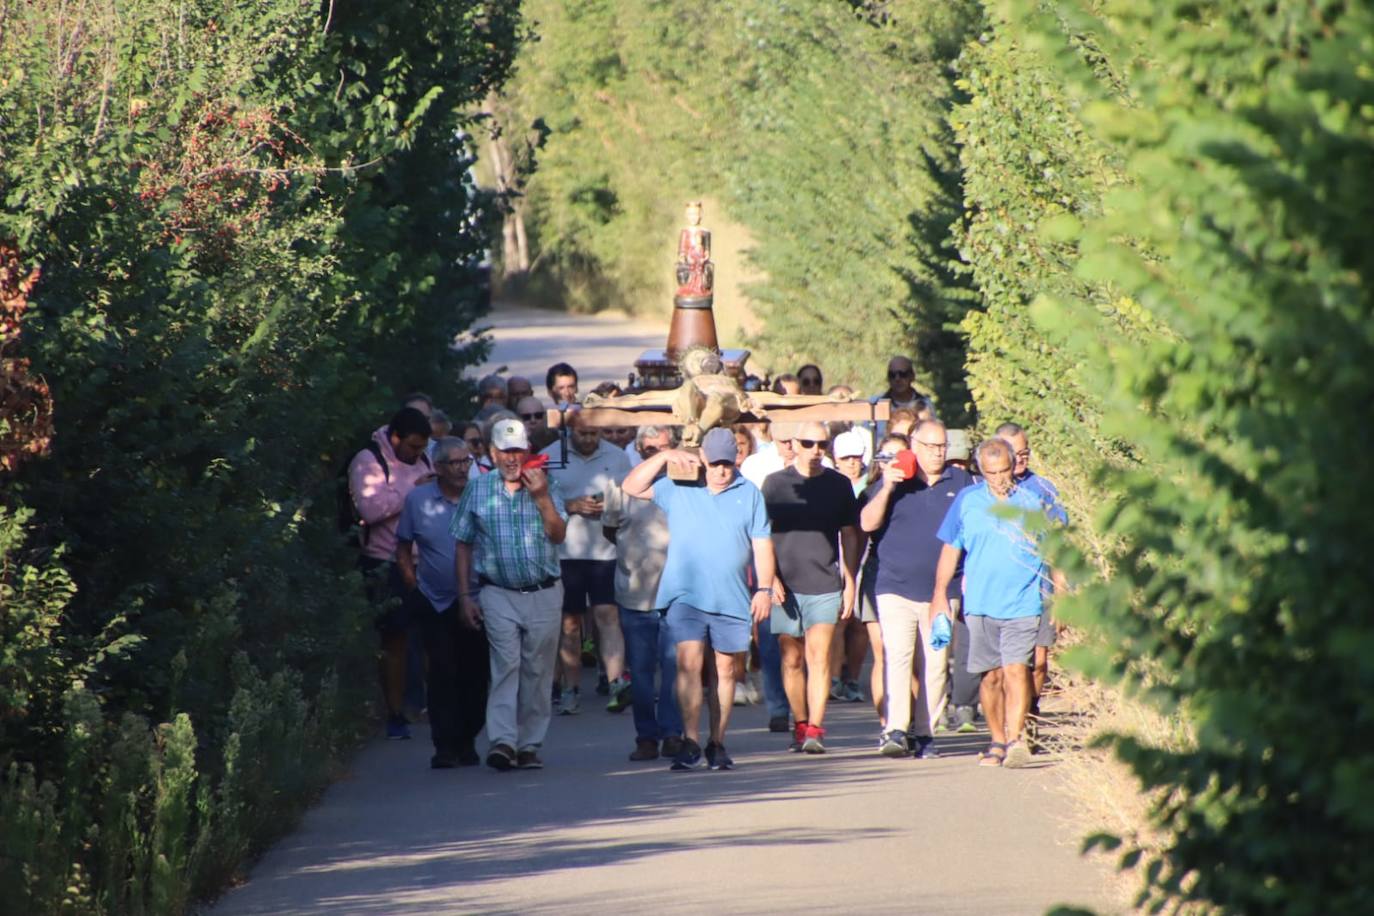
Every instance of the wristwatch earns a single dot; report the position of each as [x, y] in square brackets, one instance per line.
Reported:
[763, 588]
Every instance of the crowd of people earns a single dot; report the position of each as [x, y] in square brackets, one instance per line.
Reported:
[766, 566]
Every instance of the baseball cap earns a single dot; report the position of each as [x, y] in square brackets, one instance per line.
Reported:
[849, 444]
[719, 445]
[960, 446]
[508, 434]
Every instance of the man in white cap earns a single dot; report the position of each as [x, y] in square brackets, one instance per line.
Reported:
[716, 529]
[508, 530]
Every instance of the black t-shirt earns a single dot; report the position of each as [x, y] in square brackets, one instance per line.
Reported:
[807, 514]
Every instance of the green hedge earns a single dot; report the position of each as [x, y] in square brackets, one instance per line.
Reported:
[256, 228]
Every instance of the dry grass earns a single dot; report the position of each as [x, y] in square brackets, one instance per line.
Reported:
[1104, 795]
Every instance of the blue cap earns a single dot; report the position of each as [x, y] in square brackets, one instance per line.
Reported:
[719, 445]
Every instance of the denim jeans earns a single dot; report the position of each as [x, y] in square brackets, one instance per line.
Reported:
[648, 649]
[770, 657]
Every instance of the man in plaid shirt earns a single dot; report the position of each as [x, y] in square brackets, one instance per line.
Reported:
[508, 529]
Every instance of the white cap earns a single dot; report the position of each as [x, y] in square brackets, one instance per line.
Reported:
[849, 444]
[507, 434]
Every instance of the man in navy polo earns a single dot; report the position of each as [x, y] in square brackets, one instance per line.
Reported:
[717, 526]
[989, 528]
[903, 515]
[1016, 437]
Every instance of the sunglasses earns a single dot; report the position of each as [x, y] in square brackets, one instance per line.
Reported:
[811, 443]
[809, 380]
[902, 373]
[533, 416]
[722, 464]
[475, 442]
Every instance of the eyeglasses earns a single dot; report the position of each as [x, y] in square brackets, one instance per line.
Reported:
[533, 416]
[1024, 453]
[901, 373]
[461, 462]
[934, 446]
[810, 443]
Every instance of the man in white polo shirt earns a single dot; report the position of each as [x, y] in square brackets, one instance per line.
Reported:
[587, 560]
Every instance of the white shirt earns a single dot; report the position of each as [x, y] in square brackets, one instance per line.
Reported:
[587, 475]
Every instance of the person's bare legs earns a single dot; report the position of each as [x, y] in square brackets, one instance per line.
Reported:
[794, 675]
[855, 637]
[610, 640]
[1016, 689]
[990, 694]
[1041, 670]
[723, 673]
[570, 651]
[689, 663]
[875, 679]
[817, 643]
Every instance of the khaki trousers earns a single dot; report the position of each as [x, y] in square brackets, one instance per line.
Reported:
[906, 647]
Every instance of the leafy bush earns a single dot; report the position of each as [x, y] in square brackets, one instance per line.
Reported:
[1177, 280]
[256, 228]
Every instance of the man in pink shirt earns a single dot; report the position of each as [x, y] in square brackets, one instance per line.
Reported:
[379, 478]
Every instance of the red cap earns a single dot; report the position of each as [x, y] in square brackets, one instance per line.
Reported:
[906, 460]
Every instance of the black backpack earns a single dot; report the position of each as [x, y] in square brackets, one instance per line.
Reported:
[350, 522]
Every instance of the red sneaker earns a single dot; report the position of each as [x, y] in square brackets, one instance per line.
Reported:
[812, 743]
[798, 736]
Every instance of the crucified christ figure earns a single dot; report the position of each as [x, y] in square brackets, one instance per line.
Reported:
[709, 398]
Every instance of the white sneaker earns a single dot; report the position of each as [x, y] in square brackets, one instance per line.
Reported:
[567, 702]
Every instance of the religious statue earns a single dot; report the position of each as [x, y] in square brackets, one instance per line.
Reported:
[695, 272]
[709, 398]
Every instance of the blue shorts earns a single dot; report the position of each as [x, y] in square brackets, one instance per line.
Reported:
[799, 613]
[691, 624]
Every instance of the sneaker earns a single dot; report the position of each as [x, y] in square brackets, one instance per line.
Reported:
[778, 724]
[588, 653]
[836, 689]
[716, 758]
[753, 693]
[924, 748]
[672, 746]
[397, 728]
[501, 757]
[620, 695]
[528, 759]
[689, 758]
[645, 749]
[467, 757]
[798, 737]
[852, 693]
[894, 744]
[813, 741]
[962, 721]
[443, 762]
[567, 702]
[603, 686]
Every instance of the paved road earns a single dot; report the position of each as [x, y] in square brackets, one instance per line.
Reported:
[593, 833]
[850, 832]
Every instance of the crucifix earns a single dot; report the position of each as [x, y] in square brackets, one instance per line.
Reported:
[692, 383]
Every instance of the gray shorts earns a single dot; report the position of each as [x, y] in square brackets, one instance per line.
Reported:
[1047, 634]
[800, 613]
[867, 611]
[994, 643]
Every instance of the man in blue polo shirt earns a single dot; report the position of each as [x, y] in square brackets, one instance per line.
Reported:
[1016, 437]
[458, 655]
[1004, 592]
[903, 514]
[715, 528]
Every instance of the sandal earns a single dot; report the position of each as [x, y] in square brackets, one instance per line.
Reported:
[1018, 755]
[991, 757]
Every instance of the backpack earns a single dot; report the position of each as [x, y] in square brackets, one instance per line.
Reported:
[349, 521]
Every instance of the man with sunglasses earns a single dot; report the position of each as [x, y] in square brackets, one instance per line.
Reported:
[816, 538]
[535, 416]
[717, 527]
[457, 654]
[904, 514]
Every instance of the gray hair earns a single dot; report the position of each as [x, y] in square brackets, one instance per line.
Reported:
[438, 416]
[1010, 429]
[992, 445]
[448, 444]
[646, 432]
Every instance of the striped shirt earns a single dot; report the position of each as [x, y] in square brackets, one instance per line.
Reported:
[510, 546]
